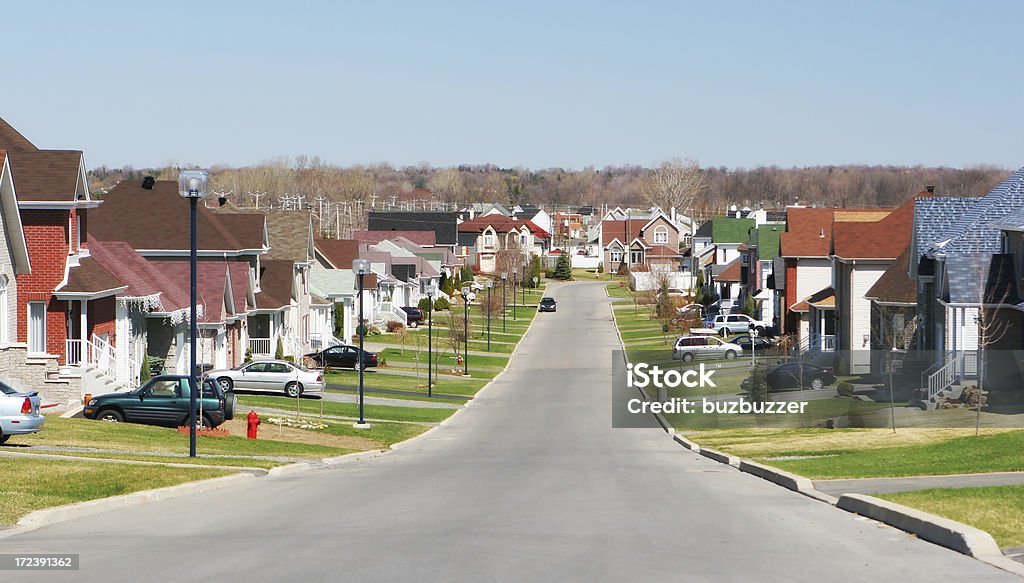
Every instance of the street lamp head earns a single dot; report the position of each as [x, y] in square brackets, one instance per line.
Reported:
[431, 289]
[490, 283]
[361, 266]
[504, 276]
[193, 183]
[514, 272]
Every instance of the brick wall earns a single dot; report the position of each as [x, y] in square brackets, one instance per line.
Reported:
[39, 375]
[46, 233]
[790, 319]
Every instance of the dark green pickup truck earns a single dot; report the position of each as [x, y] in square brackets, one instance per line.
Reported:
[163, 400]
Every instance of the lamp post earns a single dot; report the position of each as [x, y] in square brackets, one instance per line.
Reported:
[504, 276]
[523, 284]
[467, 296]
[192, 185]
[361, 267]
[753, 345]
[514, 272]
[431, 290]
[490, 284]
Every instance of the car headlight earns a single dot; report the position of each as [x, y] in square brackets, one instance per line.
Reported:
[92, 402]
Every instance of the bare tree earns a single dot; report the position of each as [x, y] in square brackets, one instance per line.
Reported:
[448, 185]
[675, 184]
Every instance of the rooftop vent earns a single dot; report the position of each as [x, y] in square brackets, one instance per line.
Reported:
[821, 234]
[930, 188]
[148, 182]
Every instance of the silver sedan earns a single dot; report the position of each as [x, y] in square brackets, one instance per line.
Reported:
[19, 412]
[270, 375]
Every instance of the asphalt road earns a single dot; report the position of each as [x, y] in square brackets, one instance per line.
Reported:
[530, 484]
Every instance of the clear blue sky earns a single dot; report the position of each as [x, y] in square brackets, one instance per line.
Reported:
[535, 84]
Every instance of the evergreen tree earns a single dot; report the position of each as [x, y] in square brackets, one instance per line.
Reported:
[563, 269]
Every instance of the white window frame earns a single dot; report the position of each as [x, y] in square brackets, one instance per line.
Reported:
[33, 342]
[5, 320]
[616, 255]
[489, 239]
[661, 235]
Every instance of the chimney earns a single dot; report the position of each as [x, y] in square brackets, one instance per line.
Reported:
[148, 182]
[930, 189]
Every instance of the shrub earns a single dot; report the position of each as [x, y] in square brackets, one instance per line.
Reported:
[757, 384]
[600, 267]
[373, 330]
[394, 326]
[441, 304]
[424, 305]
[563, 269]
[844, 388]
[466, 274]
[145, 374]
[361, 330]
[248, 355]
[339, 318]
[279, 351]
[843, 368]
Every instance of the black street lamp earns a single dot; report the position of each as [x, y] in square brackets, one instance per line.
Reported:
[431, 290]
[361, 267]
[467, 296]
[490, 284]
[192, 185]
[524, 284]
[504, 276]
[514, 273]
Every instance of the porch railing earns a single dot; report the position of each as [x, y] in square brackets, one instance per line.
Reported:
[261, 346]
[958, 368]
[101, 356]
[828, 343]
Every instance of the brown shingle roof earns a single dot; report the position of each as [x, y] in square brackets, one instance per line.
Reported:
[339, 252]
[158, 219]
[809, 230]
[276, 277]
[45, 175]
[91, 277]
[11, 139]
[287, 230]
[625, 231]
[731, 272]
[883, 239]
[895, 285]
[662, 251]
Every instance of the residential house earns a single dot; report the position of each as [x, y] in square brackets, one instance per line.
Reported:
[494, 243]
[444, 225]
[757, 262]
[966, 261]
[644, 244]
[332, 278]
[230, 248]
[535, 215]
[49, 191]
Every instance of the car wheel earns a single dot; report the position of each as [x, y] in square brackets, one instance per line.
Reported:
[817, 383]
[730, 354]
[293, 389]
[4, 438]
[722, 332]
[230, 401]
[206, 421]
[110, 416]
[225, 384]
[356, 366]
[687, 357]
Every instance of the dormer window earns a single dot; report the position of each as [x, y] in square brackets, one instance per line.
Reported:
[661, 235]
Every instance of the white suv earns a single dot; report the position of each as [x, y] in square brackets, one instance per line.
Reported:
[688, 348]
[737, 323]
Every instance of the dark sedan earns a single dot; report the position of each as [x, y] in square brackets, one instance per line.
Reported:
[744, 340]
[797, 375]
[343, 356]
[547, 305]
[413, 316]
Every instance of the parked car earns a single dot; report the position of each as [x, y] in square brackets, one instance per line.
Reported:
[413, 316]
[343, 356]
[799, 375]
[547, 305]
[688, 348]
[747, 343]
[19, 412]
[736, 324]
[270, 375]
[163, 400]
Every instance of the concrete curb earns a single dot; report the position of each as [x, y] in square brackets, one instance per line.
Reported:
[944, 532]
[785, 479]
[289, 469]
[686, 443]
[72, 411]
[40, 518]
[352, 457]
[720, 457]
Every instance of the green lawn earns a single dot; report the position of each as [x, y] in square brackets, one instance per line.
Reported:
[998, 510]
[312, 407]
[30, 484]
[140, 439]
[386, 381]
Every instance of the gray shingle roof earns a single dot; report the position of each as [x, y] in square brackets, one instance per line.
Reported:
[973, 232]
[967, 273]
[933, 217]
[1011, 222]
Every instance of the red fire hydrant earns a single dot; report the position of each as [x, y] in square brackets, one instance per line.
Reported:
[254, 424]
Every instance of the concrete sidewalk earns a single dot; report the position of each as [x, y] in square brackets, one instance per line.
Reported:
[907, 484]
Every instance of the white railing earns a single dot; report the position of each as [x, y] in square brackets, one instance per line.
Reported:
[945, 377]
[101, 357]
[318, 341]
[388, 310]
[73, 351]
[261, 346]
[828, 343]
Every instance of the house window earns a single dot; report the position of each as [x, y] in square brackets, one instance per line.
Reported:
[37, 327]
[522, 240]
[616, 255]
[661, 235]
[488, 240]
[636, 256]
[4, 320]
